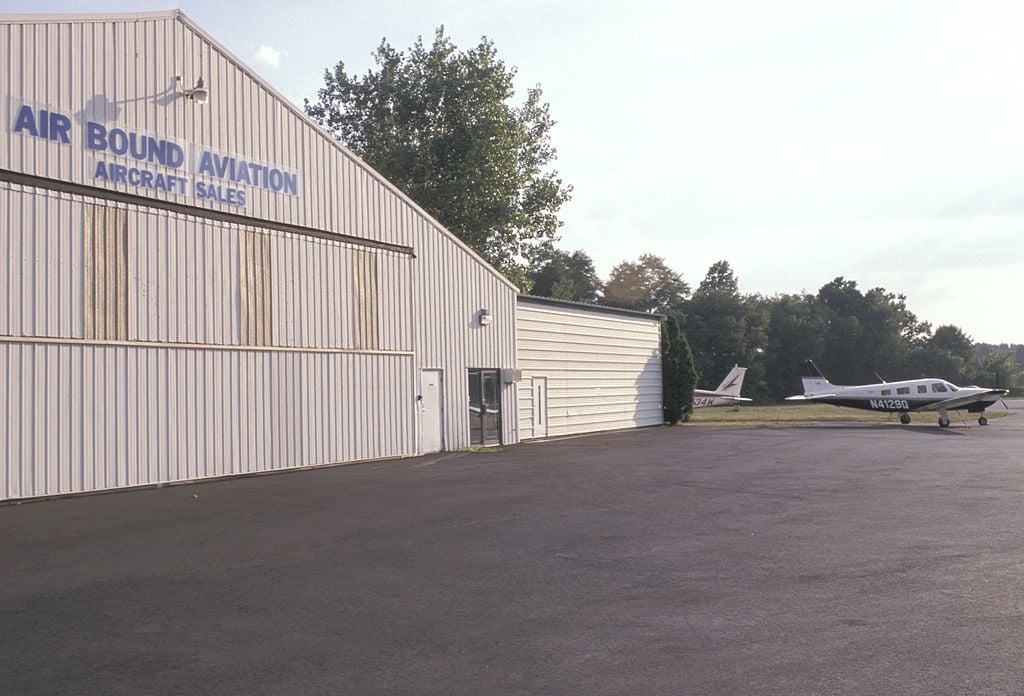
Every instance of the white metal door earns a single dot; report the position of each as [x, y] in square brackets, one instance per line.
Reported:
[540, 406]
[430, 402]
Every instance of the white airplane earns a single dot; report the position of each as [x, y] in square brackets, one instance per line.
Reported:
[727, 394]
[899, 397]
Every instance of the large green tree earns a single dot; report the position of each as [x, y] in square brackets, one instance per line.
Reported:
[866, 334]
[440, 124]
[566, 276]
[716, 324]
[647, 285]
[796, 332]
[949, 354]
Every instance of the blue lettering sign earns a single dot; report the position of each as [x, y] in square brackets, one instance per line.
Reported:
[49, 125]
[238, 171]
[143, 148]
[220, 194]
[232, 174]
[133, 176]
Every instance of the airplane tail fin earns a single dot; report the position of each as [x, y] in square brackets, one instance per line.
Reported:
[812, 378]
[733, 382]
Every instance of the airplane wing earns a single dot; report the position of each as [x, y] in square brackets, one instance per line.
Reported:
[811, 397]
[733, 398]
[958, 401]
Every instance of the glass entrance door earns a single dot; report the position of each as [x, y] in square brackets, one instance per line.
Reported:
[484, 407]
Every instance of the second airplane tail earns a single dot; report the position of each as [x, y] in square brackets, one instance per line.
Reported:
[733, 382]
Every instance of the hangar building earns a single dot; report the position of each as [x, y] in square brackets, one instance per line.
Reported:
[198, 281]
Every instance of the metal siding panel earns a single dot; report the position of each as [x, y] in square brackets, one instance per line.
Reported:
[332, 300]
[191, 279]
[266, 246]
[14, 421]
[12, 266]
[246, 291]
[35, 285]
[119, 248]
[291, 277]
[9, 420]
[61, 272]
[167, 284]
[35, 434]
[8, 264]
[97, 259]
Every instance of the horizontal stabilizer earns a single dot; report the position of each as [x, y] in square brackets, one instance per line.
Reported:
[810, 397]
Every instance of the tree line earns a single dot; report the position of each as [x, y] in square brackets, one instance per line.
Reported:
[855, 336]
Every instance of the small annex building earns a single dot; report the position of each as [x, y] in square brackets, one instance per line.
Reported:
[198, 281]
[586, 368]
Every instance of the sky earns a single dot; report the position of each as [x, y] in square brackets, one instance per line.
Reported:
[799, 140]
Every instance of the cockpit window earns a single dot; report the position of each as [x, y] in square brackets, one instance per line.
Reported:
[938, 387]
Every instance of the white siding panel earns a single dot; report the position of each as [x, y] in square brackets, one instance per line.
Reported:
[603, 368]
[80, 417]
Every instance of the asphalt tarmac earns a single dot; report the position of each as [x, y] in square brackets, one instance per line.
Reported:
[833, 559]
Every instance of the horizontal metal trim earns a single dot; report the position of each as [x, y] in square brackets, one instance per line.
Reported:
[144, 201]
[526, 300]
[196, 346]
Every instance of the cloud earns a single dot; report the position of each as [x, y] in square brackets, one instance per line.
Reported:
[268, 55]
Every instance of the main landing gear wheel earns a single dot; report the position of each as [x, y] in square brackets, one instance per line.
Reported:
[943, 422]
[905, 418]
[982, 420]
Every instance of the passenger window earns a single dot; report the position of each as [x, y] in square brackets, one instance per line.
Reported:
[887, 392]
[938, 387]
[922, 389]
[903, 390]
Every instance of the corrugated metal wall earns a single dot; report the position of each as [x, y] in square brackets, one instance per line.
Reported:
[603, 368]
[263, 305]
[86, 417]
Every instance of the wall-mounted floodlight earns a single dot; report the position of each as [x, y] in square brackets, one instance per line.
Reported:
[199, 94]
[485, 317]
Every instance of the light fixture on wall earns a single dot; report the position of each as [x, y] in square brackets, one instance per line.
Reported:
[485, 317]
[199, 94]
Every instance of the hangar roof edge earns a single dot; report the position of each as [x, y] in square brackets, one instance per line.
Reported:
[47, 17]
[585, 306]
